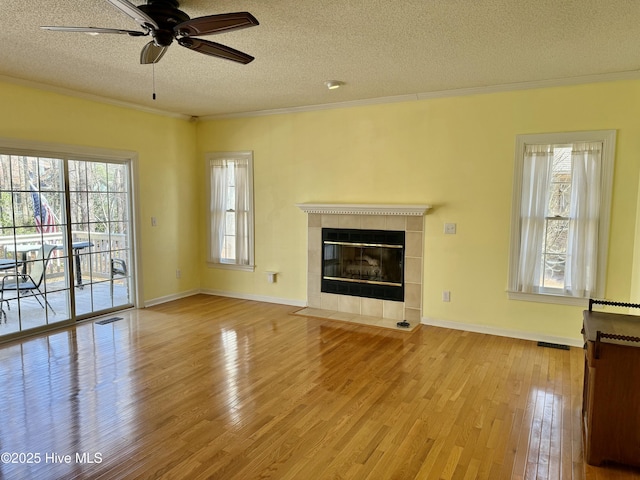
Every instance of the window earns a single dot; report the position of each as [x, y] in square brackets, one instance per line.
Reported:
[231, 209]
[560, 216]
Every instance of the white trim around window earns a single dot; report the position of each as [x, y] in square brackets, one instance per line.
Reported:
[230, 207]
[607, 138]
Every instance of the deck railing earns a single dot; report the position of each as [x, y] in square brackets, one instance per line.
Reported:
[95, 261]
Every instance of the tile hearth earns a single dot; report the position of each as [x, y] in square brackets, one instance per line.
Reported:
[368, 311]
[355, 318]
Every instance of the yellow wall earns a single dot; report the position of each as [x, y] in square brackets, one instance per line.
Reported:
[454, 153]
[166, 167]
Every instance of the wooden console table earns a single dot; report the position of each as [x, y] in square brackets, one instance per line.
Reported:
[611, 397]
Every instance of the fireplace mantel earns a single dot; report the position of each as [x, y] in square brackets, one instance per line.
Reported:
[409, 219]
[363, 209]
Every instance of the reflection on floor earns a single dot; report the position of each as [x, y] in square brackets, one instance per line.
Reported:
[218, 388]
[92, 297]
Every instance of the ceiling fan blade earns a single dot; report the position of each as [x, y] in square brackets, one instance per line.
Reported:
[95, 30]
[215, 50]
[216, 24]
[151, 53]
[134, 12]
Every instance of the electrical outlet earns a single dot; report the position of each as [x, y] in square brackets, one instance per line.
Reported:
[178, 273]
[446, 296]
[450, 228]
[154, 222]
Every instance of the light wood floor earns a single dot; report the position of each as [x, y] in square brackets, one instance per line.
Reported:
[210, 387]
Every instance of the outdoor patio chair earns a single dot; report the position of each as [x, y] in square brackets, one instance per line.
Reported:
[118, 267]
[27, 284]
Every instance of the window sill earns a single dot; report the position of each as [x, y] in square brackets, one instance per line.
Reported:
[232, 266]
[546, 298]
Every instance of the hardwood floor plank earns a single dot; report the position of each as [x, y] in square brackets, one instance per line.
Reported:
[217, 388]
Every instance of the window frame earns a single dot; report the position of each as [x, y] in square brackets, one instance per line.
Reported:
[608, 139]
[239, 155]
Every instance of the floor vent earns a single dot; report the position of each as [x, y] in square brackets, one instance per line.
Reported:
[553, 345]
[108, 320]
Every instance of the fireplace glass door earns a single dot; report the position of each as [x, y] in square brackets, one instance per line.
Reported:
[366, 263]
[363, 262]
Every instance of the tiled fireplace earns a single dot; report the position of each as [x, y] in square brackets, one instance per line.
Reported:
[406, 221]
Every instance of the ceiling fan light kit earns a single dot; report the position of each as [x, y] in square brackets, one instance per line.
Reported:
[165, 23]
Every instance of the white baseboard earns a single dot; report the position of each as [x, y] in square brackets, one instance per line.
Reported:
[502, 332]
[256, 298]
[221, 293]
[170, 298]
[468, 327]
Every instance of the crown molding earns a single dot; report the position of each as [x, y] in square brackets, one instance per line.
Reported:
[459, 92]
[91, 97]
[363, 209]
[313, 108]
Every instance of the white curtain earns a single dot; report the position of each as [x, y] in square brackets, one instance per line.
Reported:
[219, 179]
[580, 274]
[536, 176]
[242, 211]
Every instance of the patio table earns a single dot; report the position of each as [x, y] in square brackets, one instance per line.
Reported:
[77, 246]
[26, 248]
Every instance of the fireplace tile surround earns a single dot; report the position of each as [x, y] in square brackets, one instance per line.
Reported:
[407, 218]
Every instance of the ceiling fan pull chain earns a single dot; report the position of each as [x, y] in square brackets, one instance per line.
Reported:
[154, 80]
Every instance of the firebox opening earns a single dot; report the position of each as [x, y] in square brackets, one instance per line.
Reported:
[363, 263]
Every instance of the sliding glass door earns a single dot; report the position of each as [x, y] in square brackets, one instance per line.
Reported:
[65, 248]
[34, 286]
[100, 231]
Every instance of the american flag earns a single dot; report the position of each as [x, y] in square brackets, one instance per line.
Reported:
[45, 219]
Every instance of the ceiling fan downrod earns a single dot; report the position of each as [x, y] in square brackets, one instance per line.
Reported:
[166, 15]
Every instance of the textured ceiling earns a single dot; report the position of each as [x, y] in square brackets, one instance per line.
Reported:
[378, 48]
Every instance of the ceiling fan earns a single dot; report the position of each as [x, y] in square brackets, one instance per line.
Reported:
[165, 22]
